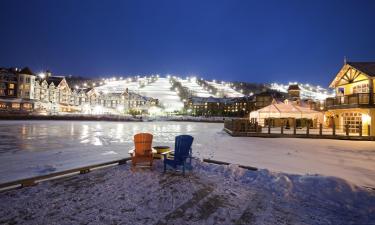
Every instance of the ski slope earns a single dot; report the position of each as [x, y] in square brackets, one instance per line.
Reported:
[161, 90]
[195, 88]
[226, 90]
[120, 86]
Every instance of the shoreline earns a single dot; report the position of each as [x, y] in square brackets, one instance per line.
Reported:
[104, 118]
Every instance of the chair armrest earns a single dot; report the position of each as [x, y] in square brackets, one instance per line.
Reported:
[165, 154]
[131, 152]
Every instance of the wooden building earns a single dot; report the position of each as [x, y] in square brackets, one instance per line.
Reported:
[354, 105]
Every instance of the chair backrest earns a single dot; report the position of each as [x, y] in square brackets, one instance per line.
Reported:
[182, 147]
[143, 143]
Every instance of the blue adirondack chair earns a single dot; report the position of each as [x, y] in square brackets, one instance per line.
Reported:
[181, 157]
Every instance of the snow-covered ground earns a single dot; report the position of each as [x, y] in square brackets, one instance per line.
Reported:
[195, 88]
[226, 90]
[161, 89]
[30, 148]
[210, 194]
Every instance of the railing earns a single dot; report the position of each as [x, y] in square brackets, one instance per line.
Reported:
[348, 100]
[241, 125]
[82, 170]
[345, 132]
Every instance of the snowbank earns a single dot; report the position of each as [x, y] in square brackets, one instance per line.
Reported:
[211, 194]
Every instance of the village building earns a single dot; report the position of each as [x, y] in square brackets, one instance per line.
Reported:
[16, 90]
[353, 107]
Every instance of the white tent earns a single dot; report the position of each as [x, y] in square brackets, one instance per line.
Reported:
[285, 110]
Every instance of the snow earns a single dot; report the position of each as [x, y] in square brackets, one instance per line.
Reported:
[31, 148]
[195, 88]
[210, 194]
[161, 89]
[226, 90]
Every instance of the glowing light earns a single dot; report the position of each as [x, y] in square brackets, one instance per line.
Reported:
[98, 109]
[366, 119]
[42, 75]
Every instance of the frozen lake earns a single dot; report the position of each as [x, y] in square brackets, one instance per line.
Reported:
[30, 148]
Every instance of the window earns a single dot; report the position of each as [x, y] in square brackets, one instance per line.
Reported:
[11, 86]
[28, 80]
[353, 120]
[3, 106]
[15, 105]
[11, 92]
[27, 106]
[361, 88]
[2, 92]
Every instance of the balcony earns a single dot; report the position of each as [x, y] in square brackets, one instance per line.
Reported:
[359, 100]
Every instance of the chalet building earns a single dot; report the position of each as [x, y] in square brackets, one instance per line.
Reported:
[294, 92]
[16, 90]
[266, 98]
[353, 106]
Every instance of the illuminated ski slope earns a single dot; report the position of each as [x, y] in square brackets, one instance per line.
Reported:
[161, 89]
[195, 88]
[120, 86]
[226, 90]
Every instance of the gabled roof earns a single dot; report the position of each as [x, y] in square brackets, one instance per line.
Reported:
[365, 67]
[27, 71]
[56, 80]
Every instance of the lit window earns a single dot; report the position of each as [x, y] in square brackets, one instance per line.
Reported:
[15, 105]
[11, 86]
[11, 92]
[27, 106]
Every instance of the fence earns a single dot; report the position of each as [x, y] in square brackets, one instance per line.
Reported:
[244, 127]
[82, 170]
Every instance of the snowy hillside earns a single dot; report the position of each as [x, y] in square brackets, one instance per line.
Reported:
[226, 90]
[194, 88]
[160, 89]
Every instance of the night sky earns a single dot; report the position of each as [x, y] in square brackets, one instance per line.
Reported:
[255, 41]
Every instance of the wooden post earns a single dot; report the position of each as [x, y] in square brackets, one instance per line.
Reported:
[320, 129]
[282, 127]
[333, 128]
[368, 130]
[295, 126]
[308, 128]
[269, 126]
[347, 129]
[360, 129]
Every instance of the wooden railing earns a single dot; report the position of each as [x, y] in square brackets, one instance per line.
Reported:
[82, 170]
[241, 125]
[348, 100]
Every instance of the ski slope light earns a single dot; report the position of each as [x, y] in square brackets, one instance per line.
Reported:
[42, 75]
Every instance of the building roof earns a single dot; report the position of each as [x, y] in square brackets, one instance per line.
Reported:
[365, 67]
[27, 71]
[56, 80]
[293, 87]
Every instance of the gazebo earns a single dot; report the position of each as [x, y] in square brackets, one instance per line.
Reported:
[283, 113]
